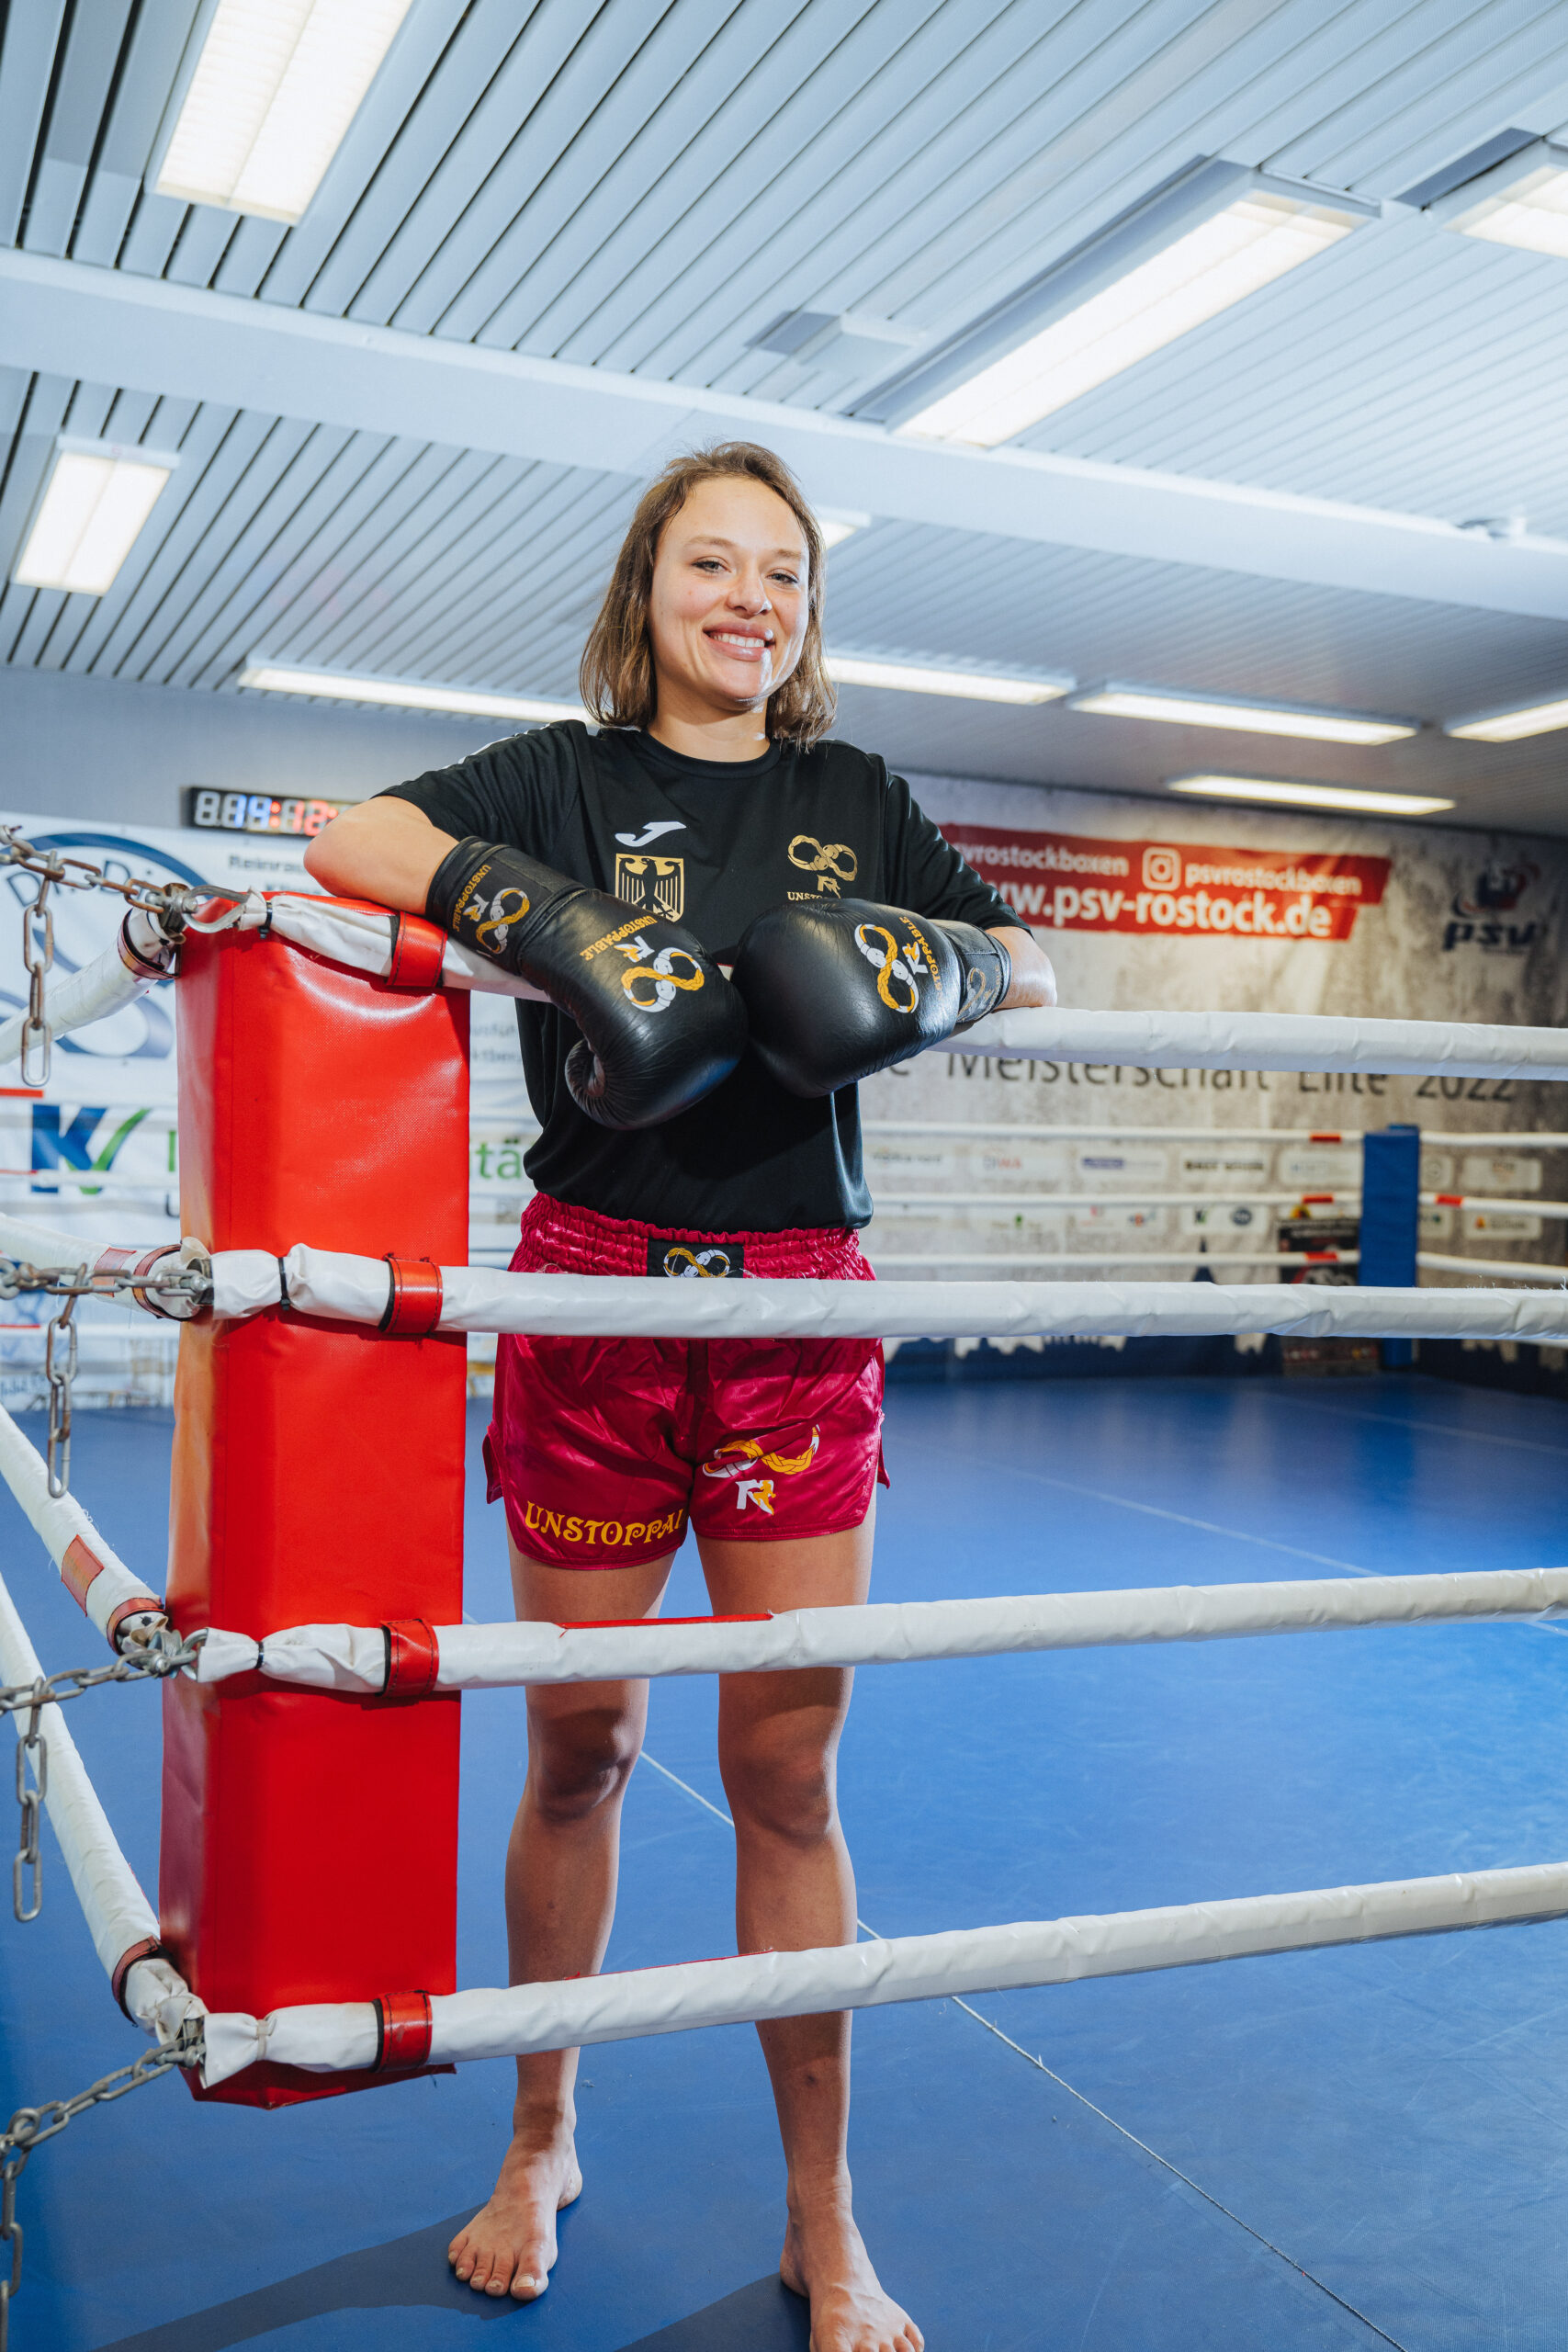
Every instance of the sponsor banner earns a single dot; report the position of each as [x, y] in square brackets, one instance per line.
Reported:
[1317, 914]
[1072, 882]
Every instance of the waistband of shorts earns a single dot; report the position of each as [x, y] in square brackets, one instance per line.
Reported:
[565, 1239]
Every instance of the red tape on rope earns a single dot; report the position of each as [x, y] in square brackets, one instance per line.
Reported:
[413, 1659]
[417, 950]
[140, 1604]
[414, 1298]
[148, 1949]
[403, 2029]
[77, 1570]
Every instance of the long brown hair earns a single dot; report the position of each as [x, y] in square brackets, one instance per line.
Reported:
[618, 678]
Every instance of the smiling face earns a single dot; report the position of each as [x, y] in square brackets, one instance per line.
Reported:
[730, 603]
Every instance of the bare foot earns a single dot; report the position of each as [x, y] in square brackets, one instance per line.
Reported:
[509, 2248]
[825, 2260]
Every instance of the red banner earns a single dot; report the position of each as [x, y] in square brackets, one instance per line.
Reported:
[1069, 882]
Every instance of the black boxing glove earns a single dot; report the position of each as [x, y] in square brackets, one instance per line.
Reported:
[661, 1026]
[835, 987]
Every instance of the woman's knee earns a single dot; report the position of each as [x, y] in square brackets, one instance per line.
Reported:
[779, 1778]
[580, 1761]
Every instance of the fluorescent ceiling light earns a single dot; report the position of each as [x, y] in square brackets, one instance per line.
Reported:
[1508, 726]
[1307, 796]
[401, 693]
[974, 685]
[274, 88]
[1116, 701]
[1216, 236]
[838, 524]
[1522, 201]
[95, 502]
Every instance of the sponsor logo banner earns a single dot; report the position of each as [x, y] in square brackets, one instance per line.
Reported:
[1072, 882]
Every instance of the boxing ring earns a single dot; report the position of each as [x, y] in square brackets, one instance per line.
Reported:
[410, 1665]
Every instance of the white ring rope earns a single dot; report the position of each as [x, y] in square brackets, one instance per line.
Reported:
[117, 1913]
[485, 1298]
[495, 1657]
[584, 2009]
[1502, 1270]
[1309, 1041]
[101, 987]
[361, 938]
[90, 1570]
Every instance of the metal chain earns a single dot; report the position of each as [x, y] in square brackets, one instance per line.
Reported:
[172, 900]
[167, 1652]
[26, 1901]
[60, 1377]
[56, 1282]
[30, 2126]
[36, 1035]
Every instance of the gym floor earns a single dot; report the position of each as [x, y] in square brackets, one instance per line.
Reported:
[1334, 2148]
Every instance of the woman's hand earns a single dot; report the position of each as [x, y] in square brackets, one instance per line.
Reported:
[1033, 980]
[386, 849]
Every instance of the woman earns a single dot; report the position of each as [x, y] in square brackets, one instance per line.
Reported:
[707, 799]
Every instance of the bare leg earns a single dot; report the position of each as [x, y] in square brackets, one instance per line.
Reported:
[583, 1739]
[795, 1888]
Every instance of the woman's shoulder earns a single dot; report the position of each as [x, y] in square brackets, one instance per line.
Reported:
[845, 766]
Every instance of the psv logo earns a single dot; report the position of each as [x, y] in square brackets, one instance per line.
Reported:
[654, 885]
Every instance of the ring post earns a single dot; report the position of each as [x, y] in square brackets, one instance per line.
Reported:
[310, 1838]
[1391, 1219]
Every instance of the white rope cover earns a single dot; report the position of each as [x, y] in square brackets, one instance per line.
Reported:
[104, 986]
[1269, 1041]
[526, 2017]
[1502, 1270]
[360, 938]
[47, 1248]
[483, 1299]
[494, 1657]
[117, 1913]
[89, 1567]
[43, 1246]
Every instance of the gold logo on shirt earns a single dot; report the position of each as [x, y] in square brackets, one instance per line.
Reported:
[832, 863]
[654, 885]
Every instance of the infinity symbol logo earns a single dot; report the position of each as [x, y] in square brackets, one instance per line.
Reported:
[683, 1263]
[652, 980]
[892, 965]
[837, 859]
[506, 908]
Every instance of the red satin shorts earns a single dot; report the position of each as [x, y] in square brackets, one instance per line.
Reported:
[603, 1450]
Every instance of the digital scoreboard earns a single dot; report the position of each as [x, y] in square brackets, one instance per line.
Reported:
[211, 810]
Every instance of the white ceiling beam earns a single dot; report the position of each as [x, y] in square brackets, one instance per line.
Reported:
[67, 319]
